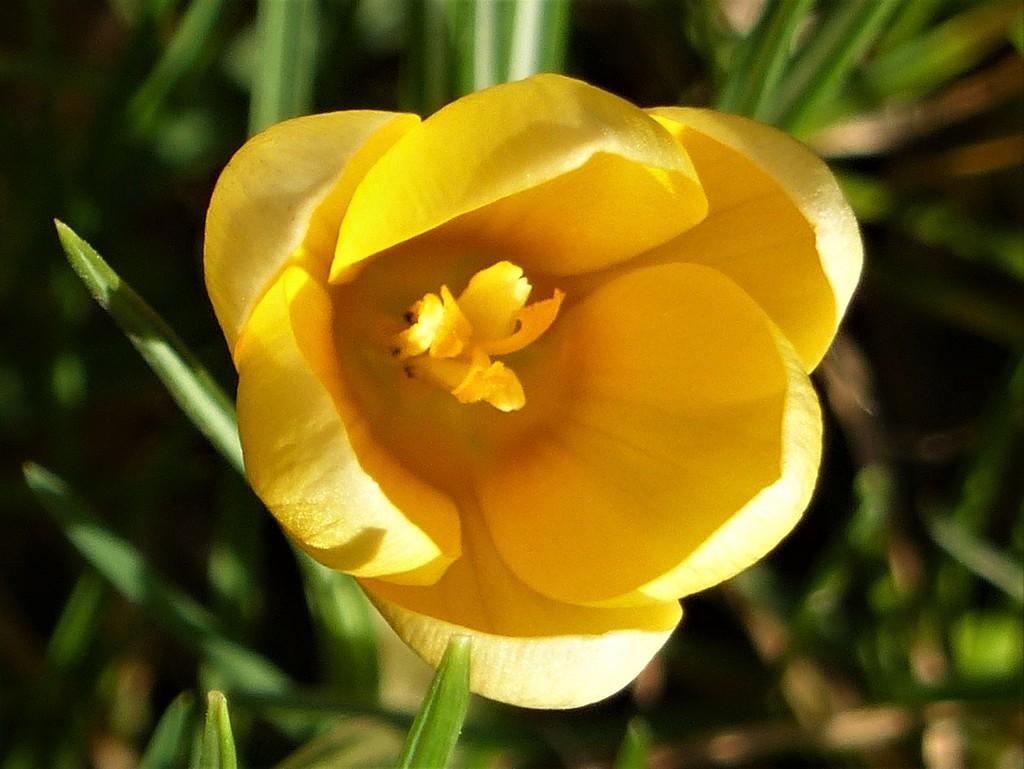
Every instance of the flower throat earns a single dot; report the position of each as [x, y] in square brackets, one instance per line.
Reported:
[450, 341]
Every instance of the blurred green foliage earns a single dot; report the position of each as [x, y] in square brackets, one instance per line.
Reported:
[137, 572]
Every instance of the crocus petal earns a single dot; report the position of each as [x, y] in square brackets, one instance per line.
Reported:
[768, 517]
[547, 166]
[527, 650]
[778, 223]
[337, 494]
[264, 202]
[674, 419]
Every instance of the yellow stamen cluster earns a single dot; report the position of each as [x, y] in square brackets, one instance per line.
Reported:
[449, 341]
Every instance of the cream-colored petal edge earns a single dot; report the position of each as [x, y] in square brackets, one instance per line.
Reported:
[550, 672]
[764, 521]
[807, 180]
[261, 206]
[300, 459]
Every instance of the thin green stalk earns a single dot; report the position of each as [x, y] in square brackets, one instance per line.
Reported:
[538, 37]
[168, 745]
[842, 36]
[435, 66]
[283, 83]
[191, 386]
[485, 39]
[181, 55]
[635, 750]
[120, 563]
[435, 730]
[979, 557]
[752, 81]
[217, 748]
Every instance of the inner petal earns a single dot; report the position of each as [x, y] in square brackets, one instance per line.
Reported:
[671, 424]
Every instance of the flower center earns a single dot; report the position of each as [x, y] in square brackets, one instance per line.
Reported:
[449, 342]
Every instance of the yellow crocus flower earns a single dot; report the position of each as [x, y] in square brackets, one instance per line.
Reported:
[533, 368]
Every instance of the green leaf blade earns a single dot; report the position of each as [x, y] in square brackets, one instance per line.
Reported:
[217, 749]
[635, 751]
[435, 731]
[191, 386]
[751, 83]
[344, 630]
[288, 32]
[816, 74]
[126, 569]
[169, 743]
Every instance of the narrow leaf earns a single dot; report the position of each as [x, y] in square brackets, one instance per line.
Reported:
[948, 50]
[217, 750]
[168, 746]
[842, 36]
[636, 746]
[186, 379]
[336, 604]
[181, 55]
[127, 570]
[752, 81]
[344, 628]
[537, 36]
[979, 557]
[435, 730]
[288, 33]
[79, 623]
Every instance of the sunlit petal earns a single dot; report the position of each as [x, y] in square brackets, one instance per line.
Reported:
[778, 223]
[332, 489]
[527, 650]
[263, 206]
[673, 421]
[768, 517]
[564, 170]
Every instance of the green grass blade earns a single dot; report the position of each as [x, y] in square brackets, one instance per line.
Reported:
[467, 45]
[345, 633]
[435, 730]
[217, 749]
[171, 738]
[189, 383]
[127, 570]
[635, 751]
[946, 51]
[537, 35]
[751, 83]
[288, 33]
[979, 557]
[344, 628]
[430, 69]
[181, 55]
[482, 67]
[79, 623]
[908, 22]
[843, 34]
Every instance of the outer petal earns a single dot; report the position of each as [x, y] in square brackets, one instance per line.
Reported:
[778, 223]
[527, 650]
[338, 495]
[674, 420]
[564, 169]
[262, 205]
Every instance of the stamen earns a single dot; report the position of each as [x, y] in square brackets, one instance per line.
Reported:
[449, 342]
